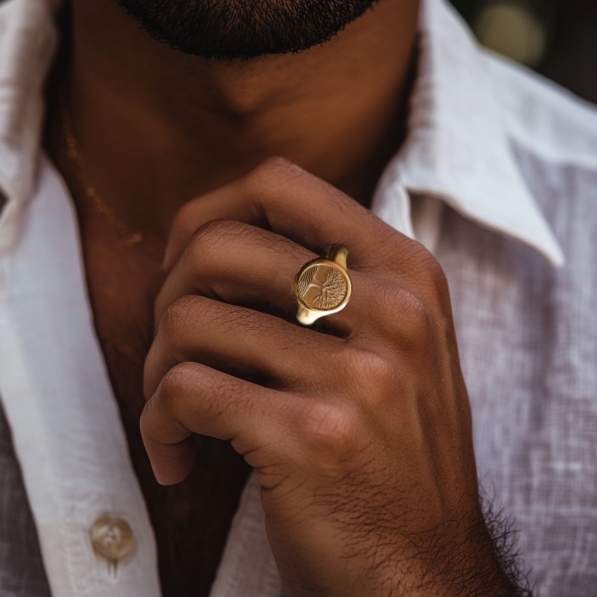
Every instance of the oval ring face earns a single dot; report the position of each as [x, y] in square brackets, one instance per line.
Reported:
[322, 286]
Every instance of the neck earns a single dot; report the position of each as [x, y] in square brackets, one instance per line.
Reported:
[157, 127]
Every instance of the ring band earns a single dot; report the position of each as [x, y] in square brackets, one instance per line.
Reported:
[323, 286]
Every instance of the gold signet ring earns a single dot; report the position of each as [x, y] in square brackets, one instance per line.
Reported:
[323, 286]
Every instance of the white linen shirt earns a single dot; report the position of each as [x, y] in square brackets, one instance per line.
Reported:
[474, 121]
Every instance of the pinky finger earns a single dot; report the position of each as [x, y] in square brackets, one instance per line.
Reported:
[193, 398]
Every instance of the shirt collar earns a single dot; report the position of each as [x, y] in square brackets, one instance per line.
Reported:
[27, 45]
[457, 147]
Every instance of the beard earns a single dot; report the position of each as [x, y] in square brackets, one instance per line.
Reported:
[243, 29]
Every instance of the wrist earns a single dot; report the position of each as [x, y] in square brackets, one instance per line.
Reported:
[479, 563]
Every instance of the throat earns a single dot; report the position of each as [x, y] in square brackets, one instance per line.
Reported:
[157, 127]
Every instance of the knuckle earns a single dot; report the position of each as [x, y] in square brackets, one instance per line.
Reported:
[429, 269]
[275, 165]
[419, 255]
[178, 314]
[390, 299]
[435, 274]
[176, 384]
[375, 370]
[416, 318]
[406, 315]
[371, 374]
[329, 428]
[417, 330]
[434, 269]
[208, 239]
[271, 170]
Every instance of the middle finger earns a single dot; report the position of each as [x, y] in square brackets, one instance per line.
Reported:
[241, 264]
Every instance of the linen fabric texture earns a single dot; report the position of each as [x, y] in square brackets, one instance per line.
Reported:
[497, 177]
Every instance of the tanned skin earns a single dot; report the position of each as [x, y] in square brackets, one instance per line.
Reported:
[359, 429]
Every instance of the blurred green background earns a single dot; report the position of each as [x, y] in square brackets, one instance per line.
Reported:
[557, 38]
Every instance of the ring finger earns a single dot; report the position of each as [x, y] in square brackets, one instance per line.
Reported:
[241, 264]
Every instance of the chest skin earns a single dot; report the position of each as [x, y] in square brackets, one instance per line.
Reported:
[190, 520]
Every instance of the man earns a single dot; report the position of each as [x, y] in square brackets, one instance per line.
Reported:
[150, 332]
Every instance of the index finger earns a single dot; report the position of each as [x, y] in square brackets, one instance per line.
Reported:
[284, 198]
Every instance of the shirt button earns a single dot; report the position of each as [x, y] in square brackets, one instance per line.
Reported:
[112, 538]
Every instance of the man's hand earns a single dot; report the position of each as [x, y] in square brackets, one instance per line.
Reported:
[359, 429]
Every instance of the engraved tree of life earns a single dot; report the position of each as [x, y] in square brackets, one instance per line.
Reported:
[332, 286]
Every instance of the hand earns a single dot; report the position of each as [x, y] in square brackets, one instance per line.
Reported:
[359, 429]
